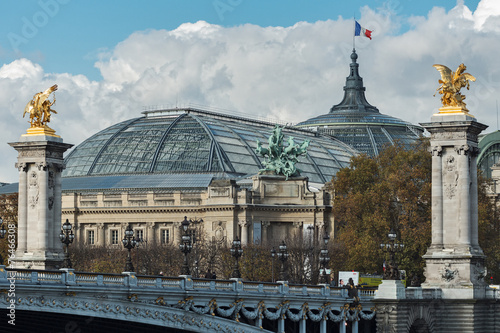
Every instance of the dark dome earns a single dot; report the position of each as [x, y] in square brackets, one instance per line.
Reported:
[196, 141]
[358, 123]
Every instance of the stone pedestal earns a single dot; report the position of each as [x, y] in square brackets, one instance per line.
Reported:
[391, 289]
[454, 261]
[40, 163]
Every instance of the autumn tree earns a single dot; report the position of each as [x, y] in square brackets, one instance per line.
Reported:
[376, 194]
[8, 212]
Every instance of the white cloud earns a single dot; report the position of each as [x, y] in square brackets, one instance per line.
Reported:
[291, 73]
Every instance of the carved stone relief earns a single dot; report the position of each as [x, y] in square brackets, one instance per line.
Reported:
[450, 177]
[33, 189]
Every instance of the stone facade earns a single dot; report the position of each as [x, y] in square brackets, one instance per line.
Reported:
[269, 210]
[40, 162]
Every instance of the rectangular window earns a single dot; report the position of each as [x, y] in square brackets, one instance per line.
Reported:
[90, 237]
[114, 237]
[139, 233]
[165, 236]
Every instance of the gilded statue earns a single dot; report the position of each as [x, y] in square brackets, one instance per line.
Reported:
[40, 109]
[451, 84]
[281, 159]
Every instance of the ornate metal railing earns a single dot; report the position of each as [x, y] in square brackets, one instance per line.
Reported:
[70, 277]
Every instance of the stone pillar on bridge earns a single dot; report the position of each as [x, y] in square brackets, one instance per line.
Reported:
[40, 163]
[454, 260]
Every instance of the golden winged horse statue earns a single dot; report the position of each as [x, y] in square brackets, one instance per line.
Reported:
[39, 107]
[451, 84]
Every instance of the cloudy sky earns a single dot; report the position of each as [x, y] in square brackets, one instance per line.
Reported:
[277, 59]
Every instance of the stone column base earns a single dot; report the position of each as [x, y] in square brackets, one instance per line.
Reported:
[391, 289]
[42, 260]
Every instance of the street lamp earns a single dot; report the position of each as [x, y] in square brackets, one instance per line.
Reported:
[3, 231]
[283, 257]
[185, 246]
[236, 252]
[66, 236]
[392, 247]
[273, 255]
[324, 259]
[129, 243]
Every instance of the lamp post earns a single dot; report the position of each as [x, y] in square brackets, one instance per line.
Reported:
[185, 246]
[324, 259]
[129, 242]
[392, 247]
[283, 257]
[66, 236]
[273, 255]
[236, 252]
[3, 231]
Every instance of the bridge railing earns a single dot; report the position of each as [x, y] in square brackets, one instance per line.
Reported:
[127, 280]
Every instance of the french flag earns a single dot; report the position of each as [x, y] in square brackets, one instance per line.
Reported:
[360, 31]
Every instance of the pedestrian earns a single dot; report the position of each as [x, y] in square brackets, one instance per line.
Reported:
[352, 291]
[208, 275]
[341, 283]
[214, 277]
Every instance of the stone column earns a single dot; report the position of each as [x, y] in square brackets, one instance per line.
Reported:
[244, 232]
[437, 197]
[265, 225]
[474, 201]
[177, 233]
[42, 232]
[56, 211]
[100, 234]
[22, 222]
[297, 229]
[464, 191]
[150, 236]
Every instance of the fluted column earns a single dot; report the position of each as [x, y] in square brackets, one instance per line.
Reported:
[56, 212]
[474, 200]
[265, 225]
[42, 207]
[100, 234]
[437, 197]
[244, 232]
[297, 229]
[464, 193]
[22, 222]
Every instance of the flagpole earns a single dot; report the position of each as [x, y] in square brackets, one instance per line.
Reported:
[354, 33]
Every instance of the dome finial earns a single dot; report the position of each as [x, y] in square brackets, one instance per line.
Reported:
[354, 55]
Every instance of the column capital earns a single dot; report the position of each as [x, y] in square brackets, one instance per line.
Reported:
[42, 166]
[436, 150]
[265, 224]
[22, 166]
[243, 223]
[463, 149]
[298, 224]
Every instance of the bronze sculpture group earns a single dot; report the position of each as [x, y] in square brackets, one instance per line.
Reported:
[39, 108]
[281, 159]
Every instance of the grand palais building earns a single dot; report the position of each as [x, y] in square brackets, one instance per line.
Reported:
[152, 171]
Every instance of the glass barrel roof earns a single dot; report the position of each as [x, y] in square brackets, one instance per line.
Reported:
[196, 141]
